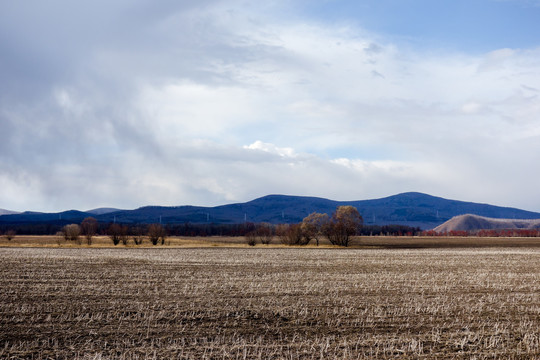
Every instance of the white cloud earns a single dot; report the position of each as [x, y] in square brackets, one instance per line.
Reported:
[159, 111]
[271, 148]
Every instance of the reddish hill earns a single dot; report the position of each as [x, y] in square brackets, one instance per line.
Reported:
[469, 222]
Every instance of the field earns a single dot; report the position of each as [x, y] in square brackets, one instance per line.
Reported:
[269, 303]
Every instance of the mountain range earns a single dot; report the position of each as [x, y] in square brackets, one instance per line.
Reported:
[412, 209]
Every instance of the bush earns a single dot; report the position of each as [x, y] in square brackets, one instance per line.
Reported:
[292, 234]
[156, 232]
[10, 235]
[251, 238]
[118, 233]
[72, 232]
[137, 235]
[264, 233]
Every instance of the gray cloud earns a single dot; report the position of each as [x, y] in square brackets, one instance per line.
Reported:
[137, 103]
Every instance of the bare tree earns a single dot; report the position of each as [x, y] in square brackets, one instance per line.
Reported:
[264, 233]
[137, 235]
[312, 226]
[346, 222]
[116, 232]
[89, 228]
[72, 232]
[156, 232]
[251, 238]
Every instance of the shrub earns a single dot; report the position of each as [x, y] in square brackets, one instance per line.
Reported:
[264, 233]
[137, 235]
[72, 232]
[251, 238]
[10, 235]
[291, 234]
[156, 232]
[117, 232]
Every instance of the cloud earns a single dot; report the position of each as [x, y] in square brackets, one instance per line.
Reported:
[137, 103]
[271, 148]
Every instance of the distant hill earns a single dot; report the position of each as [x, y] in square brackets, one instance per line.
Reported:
[102, 211]
[470, 222]
[39, 217]
[7, 212]
[412, 209]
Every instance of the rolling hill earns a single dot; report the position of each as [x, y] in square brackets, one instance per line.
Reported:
[470, 222]
[412, 209]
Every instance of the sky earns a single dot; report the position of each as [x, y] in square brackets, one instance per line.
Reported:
[138, 102]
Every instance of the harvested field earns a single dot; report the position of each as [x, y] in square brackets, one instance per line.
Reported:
[269, 303]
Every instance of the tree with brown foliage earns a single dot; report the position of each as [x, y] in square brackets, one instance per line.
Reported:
[89, 228]
[72, 232]
[312, 226]
[345, 222]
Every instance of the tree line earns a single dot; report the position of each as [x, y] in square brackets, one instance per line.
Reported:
[344, 223]
[118, 233]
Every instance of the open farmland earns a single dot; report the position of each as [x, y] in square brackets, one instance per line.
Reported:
[269, 303]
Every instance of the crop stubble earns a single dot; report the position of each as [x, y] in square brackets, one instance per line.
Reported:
[269, 303]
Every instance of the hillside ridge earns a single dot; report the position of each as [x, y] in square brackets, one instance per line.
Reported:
[411, 208]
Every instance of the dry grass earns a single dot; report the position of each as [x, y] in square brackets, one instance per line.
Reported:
[417, 242]
[106, 242]
[242, 303]
[224, 241]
